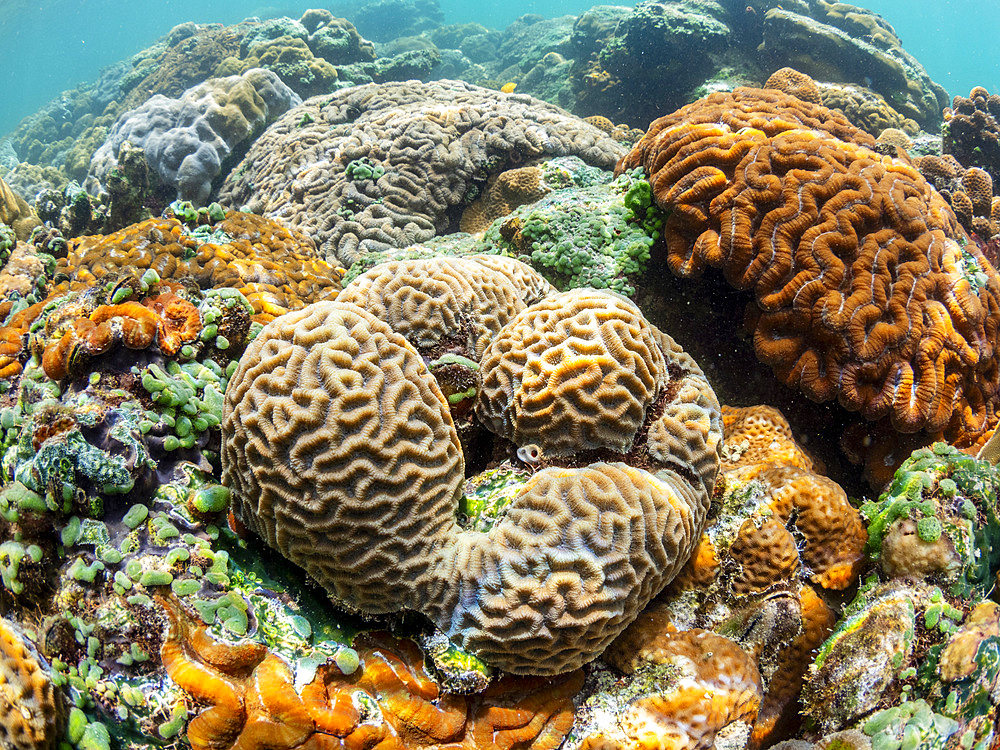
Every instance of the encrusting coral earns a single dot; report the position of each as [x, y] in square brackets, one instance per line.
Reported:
[685, 690]
[865, 288]
[319, 472]
[277, 269]
[424, 147]
[389, 700]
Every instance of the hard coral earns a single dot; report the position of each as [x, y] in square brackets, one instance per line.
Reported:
[389, 701]
[972, 130]
[682, 690]
[276, 269]
[791, 81]
[838, 244]
[434, 141]
[32, 709]
[441, 303]
[302, 471]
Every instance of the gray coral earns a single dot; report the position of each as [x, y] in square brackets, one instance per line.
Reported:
[382, 165]
[188, 139]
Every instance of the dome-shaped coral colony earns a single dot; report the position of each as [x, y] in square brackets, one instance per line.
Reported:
[531, 523]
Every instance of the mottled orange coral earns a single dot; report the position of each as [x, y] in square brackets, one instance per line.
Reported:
[758, 435]
[791, 81]
[32, 710]
[862, 290]
[252, 699]
[703, 684]
[12, 338]
[275, 268]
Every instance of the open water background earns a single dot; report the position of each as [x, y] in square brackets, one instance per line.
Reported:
[52, 46]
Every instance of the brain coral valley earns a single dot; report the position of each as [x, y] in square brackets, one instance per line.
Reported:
[342, 409]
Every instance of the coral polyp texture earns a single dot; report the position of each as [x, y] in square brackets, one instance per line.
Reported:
[972, 130]
[341, 453]
[32, 710]
[686, 690]
[380, 165]
[865, 288]
[276, 269]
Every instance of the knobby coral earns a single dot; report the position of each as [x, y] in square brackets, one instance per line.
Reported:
[341, 453]
[32, 710]
[864, 286]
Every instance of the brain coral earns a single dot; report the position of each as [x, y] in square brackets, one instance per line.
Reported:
[864, 288]
[187, 139]
[276, 269]
[32, 711]
[441, 302]
[341, 453]
[431, 143]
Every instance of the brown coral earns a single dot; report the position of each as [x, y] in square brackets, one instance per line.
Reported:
[253, 701]
[572, 382]
[705, 685]
[791, 81]
[32, 710]
[341, 453]
[440, 303]
[275, 268]
[504, 192]
[972, 130]
[862, 291]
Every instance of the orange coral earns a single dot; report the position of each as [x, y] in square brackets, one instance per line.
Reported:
[758, 435]
[253, 701]
[166, 318]
[275, 268]
[862, 291]
[12, 338]
[710, 684]
[791, 81]
[32, 710]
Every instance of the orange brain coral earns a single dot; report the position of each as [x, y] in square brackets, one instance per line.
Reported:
[864, 289]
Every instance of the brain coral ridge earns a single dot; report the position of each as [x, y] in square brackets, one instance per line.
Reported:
[426, 145]
[865, 288]
[341, 453]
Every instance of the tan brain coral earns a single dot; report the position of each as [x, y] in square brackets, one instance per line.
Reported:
[341, 453]
[575, 372]
[428, 144]
[439, 303]
[862, 289]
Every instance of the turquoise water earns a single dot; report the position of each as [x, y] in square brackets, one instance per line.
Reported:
[67, 43]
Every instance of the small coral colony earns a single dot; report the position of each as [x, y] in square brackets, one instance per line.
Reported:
[365, 385]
